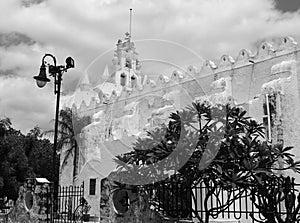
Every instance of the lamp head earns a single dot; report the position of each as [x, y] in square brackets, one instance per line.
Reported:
[41, 79]
[70, 63]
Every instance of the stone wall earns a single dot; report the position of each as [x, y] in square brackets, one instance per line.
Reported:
[32, 205]
[139, 211]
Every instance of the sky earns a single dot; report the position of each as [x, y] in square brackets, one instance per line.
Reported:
[85, 29]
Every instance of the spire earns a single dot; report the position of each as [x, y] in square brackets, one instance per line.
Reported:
[85, 83]
[105, 74]
[85, 80]
[130, 21]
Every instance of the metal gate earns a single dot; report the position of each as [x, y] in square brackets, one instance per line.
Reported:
[69, 204]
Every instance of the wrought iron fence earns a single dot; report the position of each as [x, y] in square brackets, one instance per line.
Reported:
[70, 204]
[176, 199]
[171, 198]
[240, 204]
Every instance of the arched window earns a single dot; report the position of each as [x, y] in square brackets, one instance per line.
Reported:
[123, 79]
[133, 81]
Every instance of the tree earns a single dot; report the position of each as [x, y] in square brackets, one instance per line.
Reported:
[70, 126]
[245, 160]
[22, 157]
[39, 152]
[14, 167]
[5, 124]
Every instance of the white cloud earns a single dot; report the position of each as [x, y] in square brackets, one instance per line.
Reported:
[84, 29]
[17, 57]
[25, 104]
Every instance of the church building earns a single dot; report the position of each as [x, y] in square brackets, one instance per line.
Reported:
[127, 102]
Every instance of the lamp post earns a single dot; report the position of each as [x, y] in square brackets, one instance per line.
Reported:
[55, 71]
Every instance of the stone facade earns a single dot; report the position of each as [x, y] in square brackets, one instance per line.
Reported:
[139, 211]
[128, 103]
[33, 204]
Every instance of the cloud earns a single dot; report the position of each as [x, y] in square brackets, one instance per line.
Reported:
[14, 38]
[288, 5]
[81, 26]
[19, 60]
[84, 29]
[25, 104]
[28, 3]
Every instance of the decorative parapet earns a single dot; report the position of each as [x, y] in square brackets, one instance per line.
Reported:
[226, 61]
[177, 76]
[265, 50]
[149, 85]
[245, 57]
[162, 79]
[287, 44]
[208, 68]
[192, 70]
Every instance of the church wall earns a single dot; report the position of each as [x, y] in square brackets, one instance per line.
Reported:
[66, 171]
[247, 79]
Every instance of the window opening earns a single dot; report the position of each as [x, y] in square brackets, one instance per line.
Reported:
[123, 79]
[92, 186]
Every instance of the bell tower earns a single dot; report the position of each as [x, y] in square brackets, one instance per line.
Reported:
[126, 64]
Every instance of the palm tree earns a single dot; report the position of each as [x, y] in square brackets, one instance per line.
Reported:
[70, 126]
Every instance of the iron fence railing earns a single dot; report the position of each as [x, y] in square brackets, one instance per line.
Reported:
[238, 203]
[171, 198]
[176, 198]
[69, 204]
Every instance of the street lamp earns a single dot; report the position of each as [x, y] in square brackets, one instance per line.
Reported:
[41, 80]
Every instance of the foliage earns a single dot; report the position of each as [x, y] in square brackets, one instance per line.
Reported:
[4, 126]
[241, 159]
[40, 154]
[22, 156]
[31, 155]
[70, 125]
